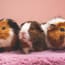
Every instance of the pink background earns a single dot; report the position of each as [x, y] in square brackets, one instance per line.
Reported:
[24, 10]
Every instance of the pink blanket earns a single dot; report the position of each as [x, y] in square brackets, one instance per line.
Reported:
[36, 58]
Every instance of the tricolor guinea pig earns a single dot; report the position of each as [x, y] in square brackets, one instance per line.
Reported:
[32, 37]
[8, 34]
[56, 35]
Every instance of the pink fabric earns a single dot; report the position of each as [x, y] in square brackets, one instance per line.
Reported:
[36, 58]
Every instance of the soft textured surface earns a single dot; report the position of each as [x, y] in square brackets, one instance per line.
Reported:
[37, 58]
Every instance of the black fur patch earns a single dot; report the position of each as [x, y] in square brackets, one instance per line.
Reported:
[13, 25]
[22, 24]
[2, 49]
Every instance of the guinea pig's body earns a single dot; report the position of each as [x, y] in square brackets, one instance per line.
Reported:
[8, 34]
[32, 37]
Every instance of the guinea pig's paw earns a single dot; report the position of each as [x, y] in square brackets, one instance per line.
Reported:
[26, 50]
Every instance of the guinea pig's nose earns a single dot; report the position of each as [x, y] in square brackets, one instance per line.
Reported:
[62, 29]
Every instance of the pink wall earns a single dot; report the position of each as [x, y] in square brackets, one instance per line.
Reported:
[24, 10]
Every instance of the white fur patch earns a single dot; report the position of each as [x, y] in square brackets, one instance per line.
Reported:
[44, 28]
[25, 29]
[7, 42]
[56, 20]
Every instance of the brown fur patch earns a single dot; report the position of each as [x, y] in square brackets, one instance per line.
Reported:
[4, 29]
[56, 36]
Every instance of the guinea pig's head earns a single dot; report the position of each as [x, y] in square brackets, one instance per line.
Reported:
[29, 27]
[7, 27]
[56, 35]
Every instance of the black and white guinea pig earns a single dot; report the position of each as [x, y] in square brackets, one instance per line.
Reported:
[55, 33]
[32, 37]
[8, 34]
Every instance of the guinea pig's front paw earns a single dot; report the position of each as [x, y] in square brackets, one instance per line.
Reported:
[26, 50]
[25, 46]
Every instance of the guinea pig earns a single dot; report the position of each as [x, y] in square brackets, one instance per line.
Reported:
[32, 37]
[53, 37]
[56, 35]
[8, 35]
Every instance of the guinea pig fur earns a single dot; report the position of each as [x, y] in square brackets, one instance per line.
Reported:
[32, 37]
[56, 35]
[8, 35]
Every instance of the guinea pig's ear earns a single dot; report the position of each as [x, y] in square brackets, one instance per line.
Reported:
[13, 25]
[51, 27]
[43, 23]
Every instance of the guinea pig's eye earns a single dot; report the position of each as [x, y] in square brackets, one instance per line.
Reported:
[3, 28]
[62, 29]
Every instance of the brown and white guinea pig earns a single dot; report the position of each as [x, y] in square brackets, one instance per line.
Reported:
[32, 37]
[56, 34]
[8, 34]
